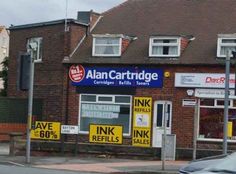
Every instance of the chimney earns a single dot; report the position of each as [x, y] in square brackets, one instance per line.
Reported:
[84, 16]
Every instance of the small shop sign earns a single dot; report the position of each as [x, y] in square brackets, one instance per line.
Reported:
[108, 134]
[203, 80]
[46, 130]
[69, 129]
[189, 102]
[125, 77]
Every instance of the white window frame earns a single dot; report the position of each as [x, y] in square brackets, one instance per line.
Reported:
[151, 44]
[38, 58]
[113, 102]
[107, 36]
[211, 107]
[220, 44]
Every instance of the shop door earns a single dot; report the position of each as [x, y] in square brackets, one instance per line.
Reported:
[158, 121]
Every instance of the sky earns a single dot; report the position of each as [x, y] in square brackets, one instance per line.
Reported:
[18, 12]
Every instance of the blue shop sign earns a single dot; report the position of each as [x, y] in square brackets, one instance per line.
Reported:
[125, 77]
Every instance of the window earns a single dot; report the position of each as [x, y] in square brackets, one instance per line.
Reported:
[107, 46]
[211, 120]
[34, 47]
[225, 44]
[164, 47]
[105, 109]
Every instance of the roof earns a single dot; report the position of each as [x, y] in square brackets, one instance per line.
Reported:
[202, 19]
[41, 24]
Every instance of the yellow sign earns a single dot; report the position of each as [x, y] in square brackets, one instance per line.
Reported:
[46, 130]
[230, 129]
[142, 121]
[141, 137]
[106, 134]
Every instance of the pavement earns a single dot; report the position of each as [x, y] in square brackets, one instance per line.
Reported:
[91, 164]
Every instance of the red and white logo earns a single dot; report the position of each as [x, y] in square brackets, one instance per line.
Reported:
[76, 73]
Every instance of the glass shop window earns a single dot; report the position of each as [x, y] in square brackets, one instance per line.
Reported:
[105, 109]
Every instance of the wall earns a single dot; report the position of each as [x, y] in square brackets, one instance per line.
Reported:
[48, 83]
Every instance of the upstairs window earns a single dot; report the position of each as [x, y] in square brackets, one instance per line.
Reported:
[106, 46]
[164, 47]
[34, 47]
[225, 44]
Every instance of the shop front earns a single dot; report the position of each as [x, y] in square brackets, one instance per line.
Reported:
[108, 97]
[209, 90]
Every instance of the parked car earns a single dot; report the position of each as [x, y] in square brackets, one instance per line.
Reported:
[206, 163]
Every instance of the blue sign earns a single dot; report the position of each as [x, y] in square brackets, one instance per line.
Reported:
[125, 77]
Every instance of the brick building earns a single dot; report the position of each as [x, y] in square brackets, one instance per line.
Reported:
[158, 52]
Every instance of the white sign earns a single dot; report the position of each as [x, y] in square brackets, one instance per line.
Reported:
[203, 80]
[212, 93]
[101, 107]
[189, 102]
[99, 114]
[68, 129]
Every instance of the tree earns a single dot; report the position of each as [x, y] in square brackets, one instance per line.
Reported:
[4, 76]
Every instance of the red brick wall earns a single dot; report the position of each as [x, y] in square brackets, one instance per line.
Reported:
[48, 83]
[8, 128]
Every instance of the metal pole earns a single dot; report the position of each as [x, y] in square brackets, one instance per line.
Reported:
[195, 123]
[164, 137]
[30, 108]
[226, 101]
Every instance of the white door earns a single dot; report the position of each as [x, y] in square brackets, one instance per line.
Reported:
[158, 121]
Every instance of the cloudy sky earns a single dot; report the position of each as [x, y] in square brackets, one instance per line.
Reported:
[19, 12]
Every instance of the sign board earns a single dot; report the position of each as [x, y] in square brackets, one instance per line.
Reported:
[108, 134]
[189, 102]
[212, 93]
[203, 80]
[107, 76]
[69, 129]
[141, 135]
[46, 130]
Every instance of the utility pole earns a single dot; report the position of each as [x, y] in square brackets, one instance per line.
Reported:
[163, 149]
[195, 123]
[226, 101]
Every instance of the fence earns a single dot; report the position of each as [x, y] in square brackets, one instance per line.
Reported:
[13, 114]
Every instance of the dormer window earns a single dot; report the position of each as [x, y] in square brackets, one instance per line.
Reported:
[224, 44]
[107, 45]
[164, 47]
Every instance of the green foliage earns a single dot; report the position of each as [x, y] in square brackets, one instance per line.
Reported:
[4, 76]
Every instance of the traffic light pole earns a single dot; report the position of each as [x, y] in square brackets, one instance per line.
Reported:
[30, 108]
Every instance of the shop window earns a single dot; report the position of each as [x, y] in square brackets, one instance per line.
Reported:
[164, 47]
[211, 119]
[34, 47]
[207, 102]
[225, 44]
[107, 46]
[105, 109]
[221, 102]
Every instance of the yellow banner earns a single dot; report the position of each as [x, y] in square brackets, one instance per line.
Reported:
[142, 116]
[108, 134]
[46, 130]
